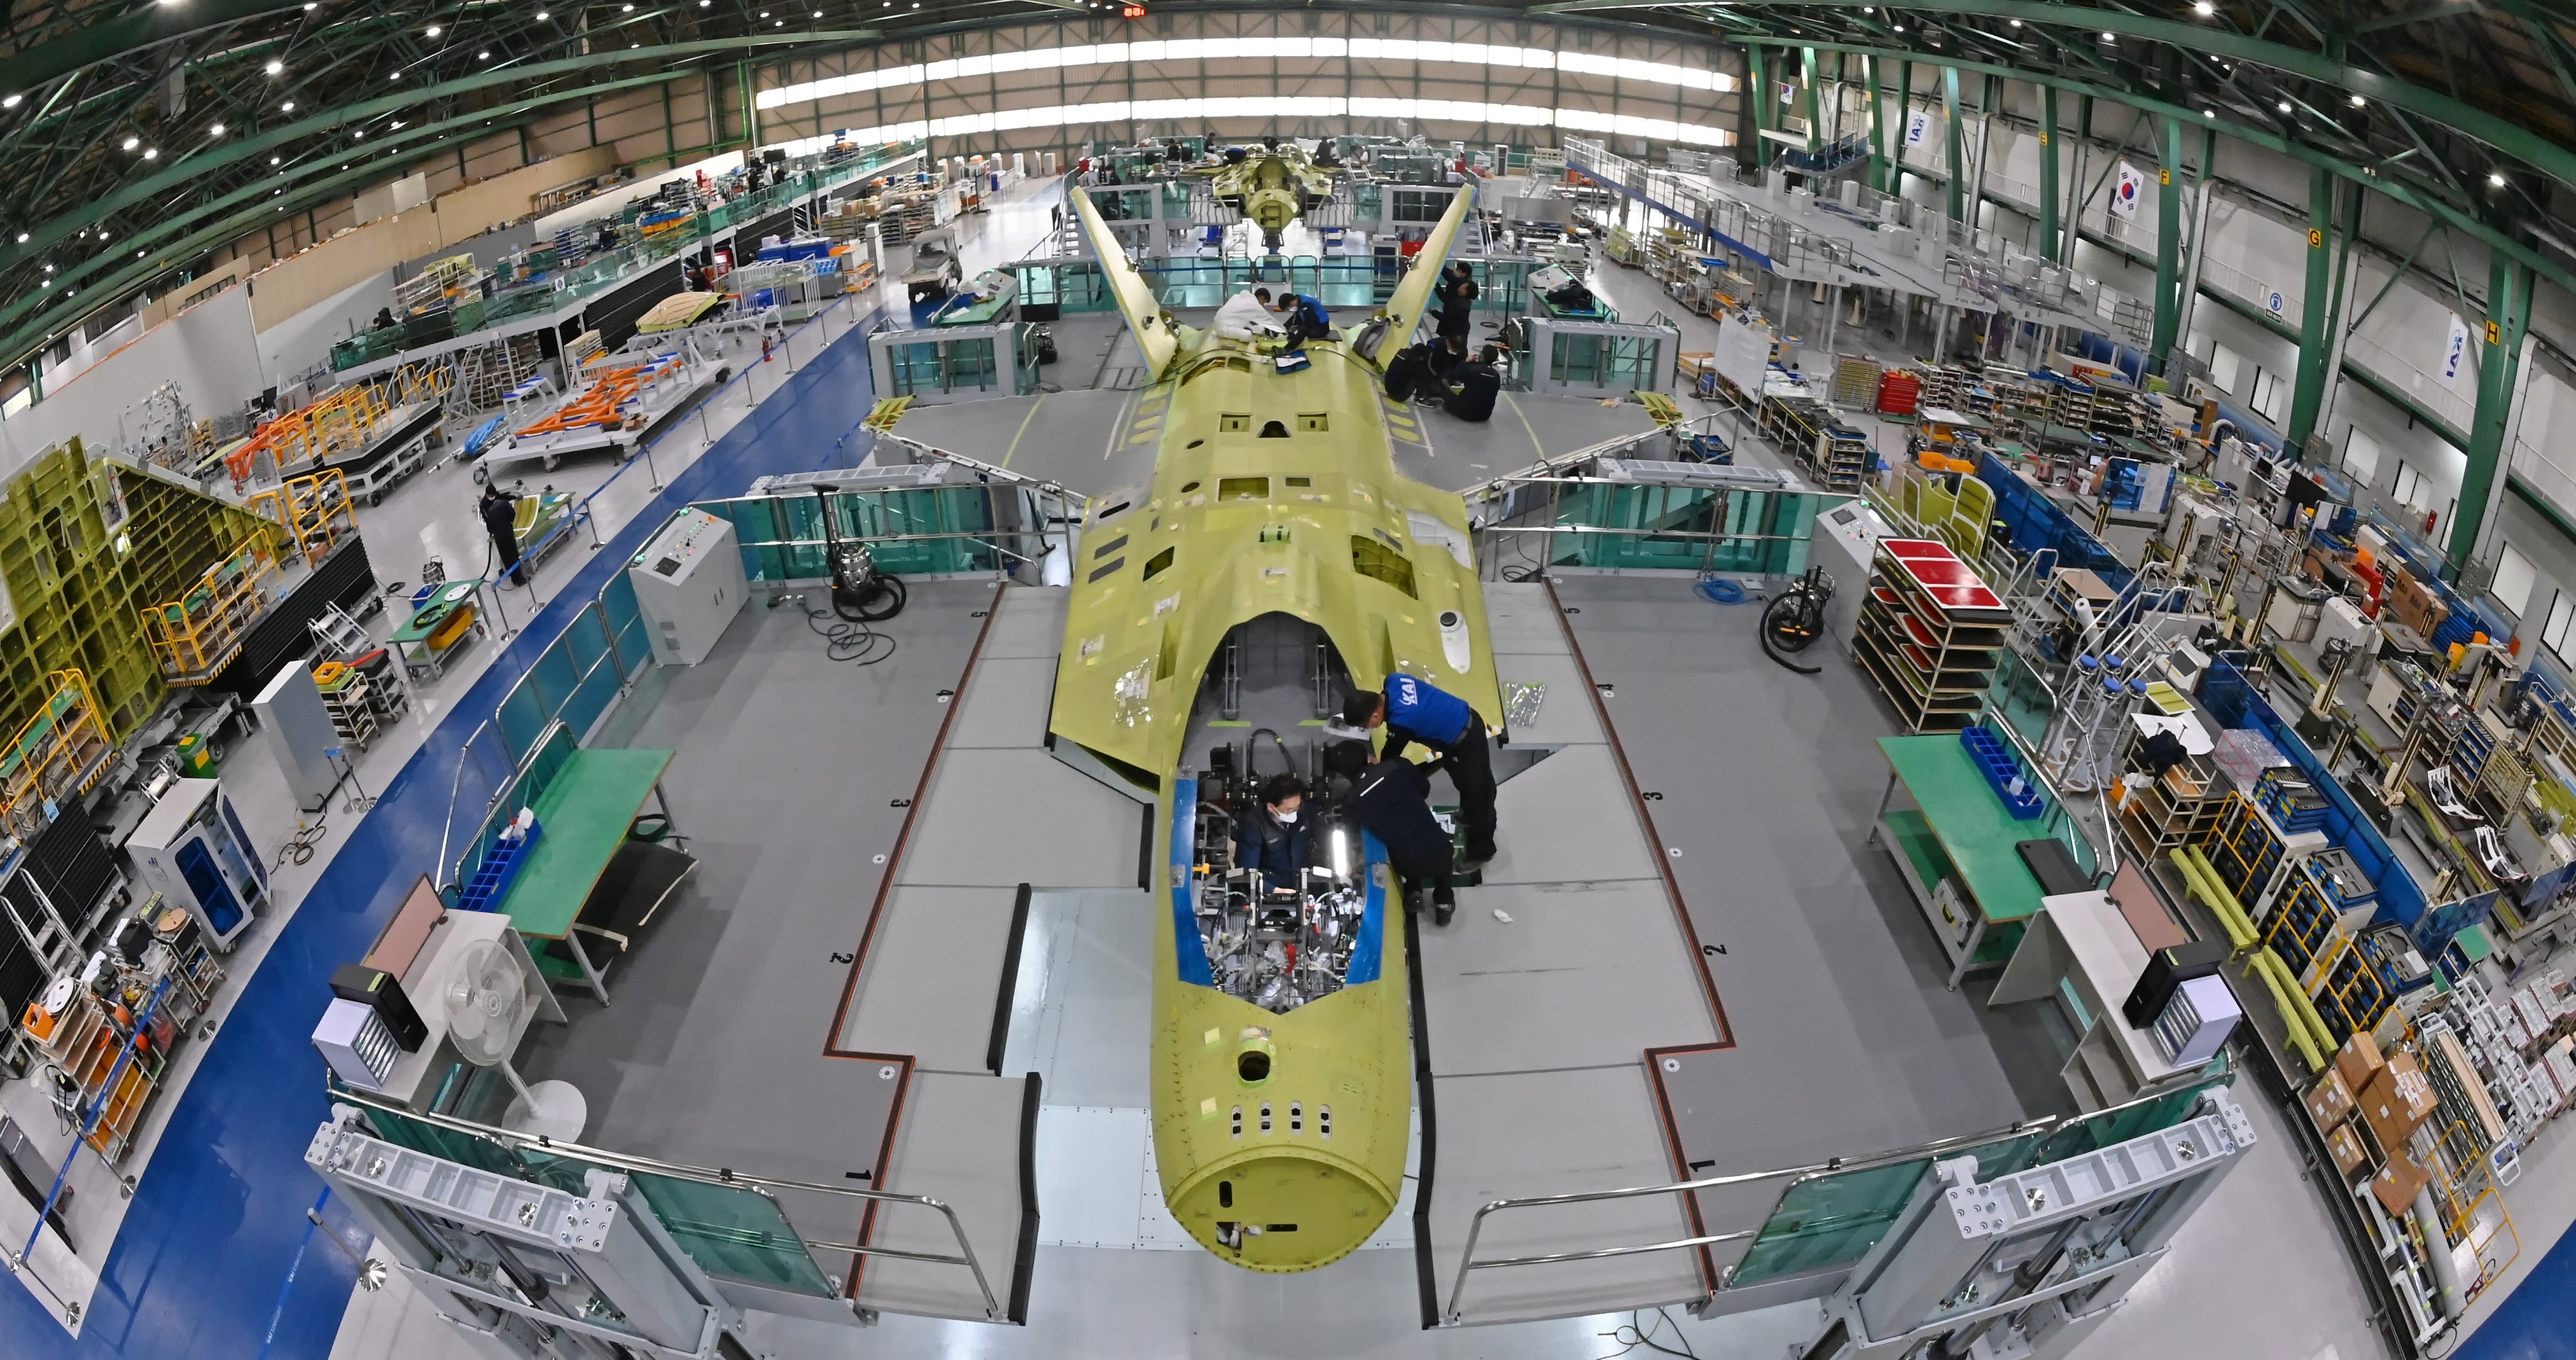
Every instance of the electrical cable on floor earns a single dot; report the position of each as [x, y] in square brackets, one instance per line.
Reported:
[1719, 590]
[848, 639]
[1632, 1334]
[299, 848]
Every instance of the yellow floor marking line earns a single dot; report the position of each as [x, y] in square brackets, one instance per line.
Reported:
[1024, 428]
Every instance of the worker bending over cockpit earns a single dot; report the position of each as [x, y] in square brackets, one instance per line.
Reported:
[1415, 710]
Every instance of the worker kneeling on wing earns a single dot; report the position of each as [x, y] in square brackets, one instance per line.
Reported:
[1268, 837]
[1415, 710]
[1303, 317]
[1393, 803]
[1245, 317]
[1474, 385]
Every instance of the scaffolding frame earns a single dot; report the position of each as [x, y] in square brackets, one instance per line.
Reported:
[196, 635]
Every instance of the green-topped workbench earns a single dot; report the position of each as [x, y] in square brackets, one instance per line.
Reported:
[1956, 849]
[582, 817]
[439, 625]
[981, 312]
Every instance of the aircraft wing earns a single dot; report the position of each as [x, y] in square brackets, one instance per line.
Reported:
[1404, 310]
[1136, 299]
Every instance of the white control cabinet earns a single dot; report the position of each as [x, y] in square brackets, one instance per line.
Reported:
[689, 582]
[192, 850]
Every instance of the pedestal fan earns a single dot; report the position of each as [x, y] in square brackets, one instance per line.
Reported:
[490, 998]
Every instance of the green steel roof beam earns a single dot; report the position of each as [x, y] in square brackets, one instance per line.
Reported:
[2550, 158]
[2422, 200]
[398, 147]
[25, 339]
[109, 39]
[193, 167]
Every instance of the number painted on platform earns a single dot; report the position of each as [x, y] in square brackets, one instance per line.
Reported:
[978, 613]
[1712, 950]
[1651, 796]
[838, 957]
[898, 802]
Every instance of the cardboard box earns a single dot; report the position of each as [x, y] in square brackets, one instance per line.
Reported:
[2329, 1102]
[2397, 1102]
[2358, 1061]
[2349, 1156]
[2398, 1183]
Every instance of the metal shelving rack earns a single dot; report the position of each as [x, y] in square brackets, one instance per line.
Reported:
[1929, 634]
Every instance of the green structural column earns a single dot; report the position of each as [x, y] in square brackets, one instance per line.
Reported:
[1815, 115]
[1878, 124]
[2168, 246]
[1904, 120]
[2048, 175]
[1757, 87]
[1958, 160]
[2317, 310]
[2499, 359]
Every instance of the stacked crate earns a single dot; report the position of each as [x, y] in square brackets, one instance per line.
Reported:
[1929, 634]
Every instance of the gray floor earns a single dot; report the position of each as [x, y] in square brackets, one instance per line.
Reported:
[788, 764]
[1541, 999]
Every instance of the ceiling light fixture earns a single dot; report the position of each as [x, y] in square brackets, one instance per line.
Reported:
[2204, 9]
[133, 142]
[275, 66]
[482, 56]
[151, 153]
[11, 101]
[274, 160]
[2496, 178]
[2209, 113]
[434, 30]
[216, 131]
[22, 238]
[2285, 106]
[2016, 23]
[2110, 37]
[2356, 101]
[287, 107]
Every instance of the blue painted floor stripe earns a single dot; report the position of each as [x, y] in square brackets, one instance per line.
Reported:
[216, 1225]
[2538, 1320]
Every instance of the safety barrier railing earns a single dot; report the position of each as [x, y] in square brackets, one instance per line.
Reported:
[729, 1222]
[1818, 1224]
[986, 520]
[600, 272]
[1565, 512]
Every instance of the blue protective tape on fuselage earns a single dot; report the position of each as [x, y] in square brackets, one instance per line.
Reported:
[1187, 943]
[1368, 951]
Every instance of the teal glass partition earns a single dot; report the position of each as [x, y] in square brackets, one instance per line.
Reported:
[734, 1231]
[1632, 527]
[908, 532]
[1830, 1221]
[1622, 363]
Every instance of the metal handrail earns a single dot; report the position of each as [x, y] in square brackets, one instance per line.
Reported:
[722, 1177]
[1798, 1176]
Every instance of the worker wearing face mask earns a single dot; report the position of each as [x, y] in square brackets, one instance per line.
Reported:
[1270, 838]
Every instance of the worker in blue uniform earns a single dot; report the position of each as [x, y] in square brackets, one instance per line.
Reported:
[1303, 317]
[1415, 710]
[1392, 801]
[1269, 838]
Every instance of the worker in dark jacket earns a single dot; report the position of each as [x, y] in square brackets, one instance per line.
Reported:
[1414, 710]
[1393, 803]
[1473, 387]
[1409, 370]
[500, 514]
[1456, 292]
[1303, 317]
[1268, 838]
